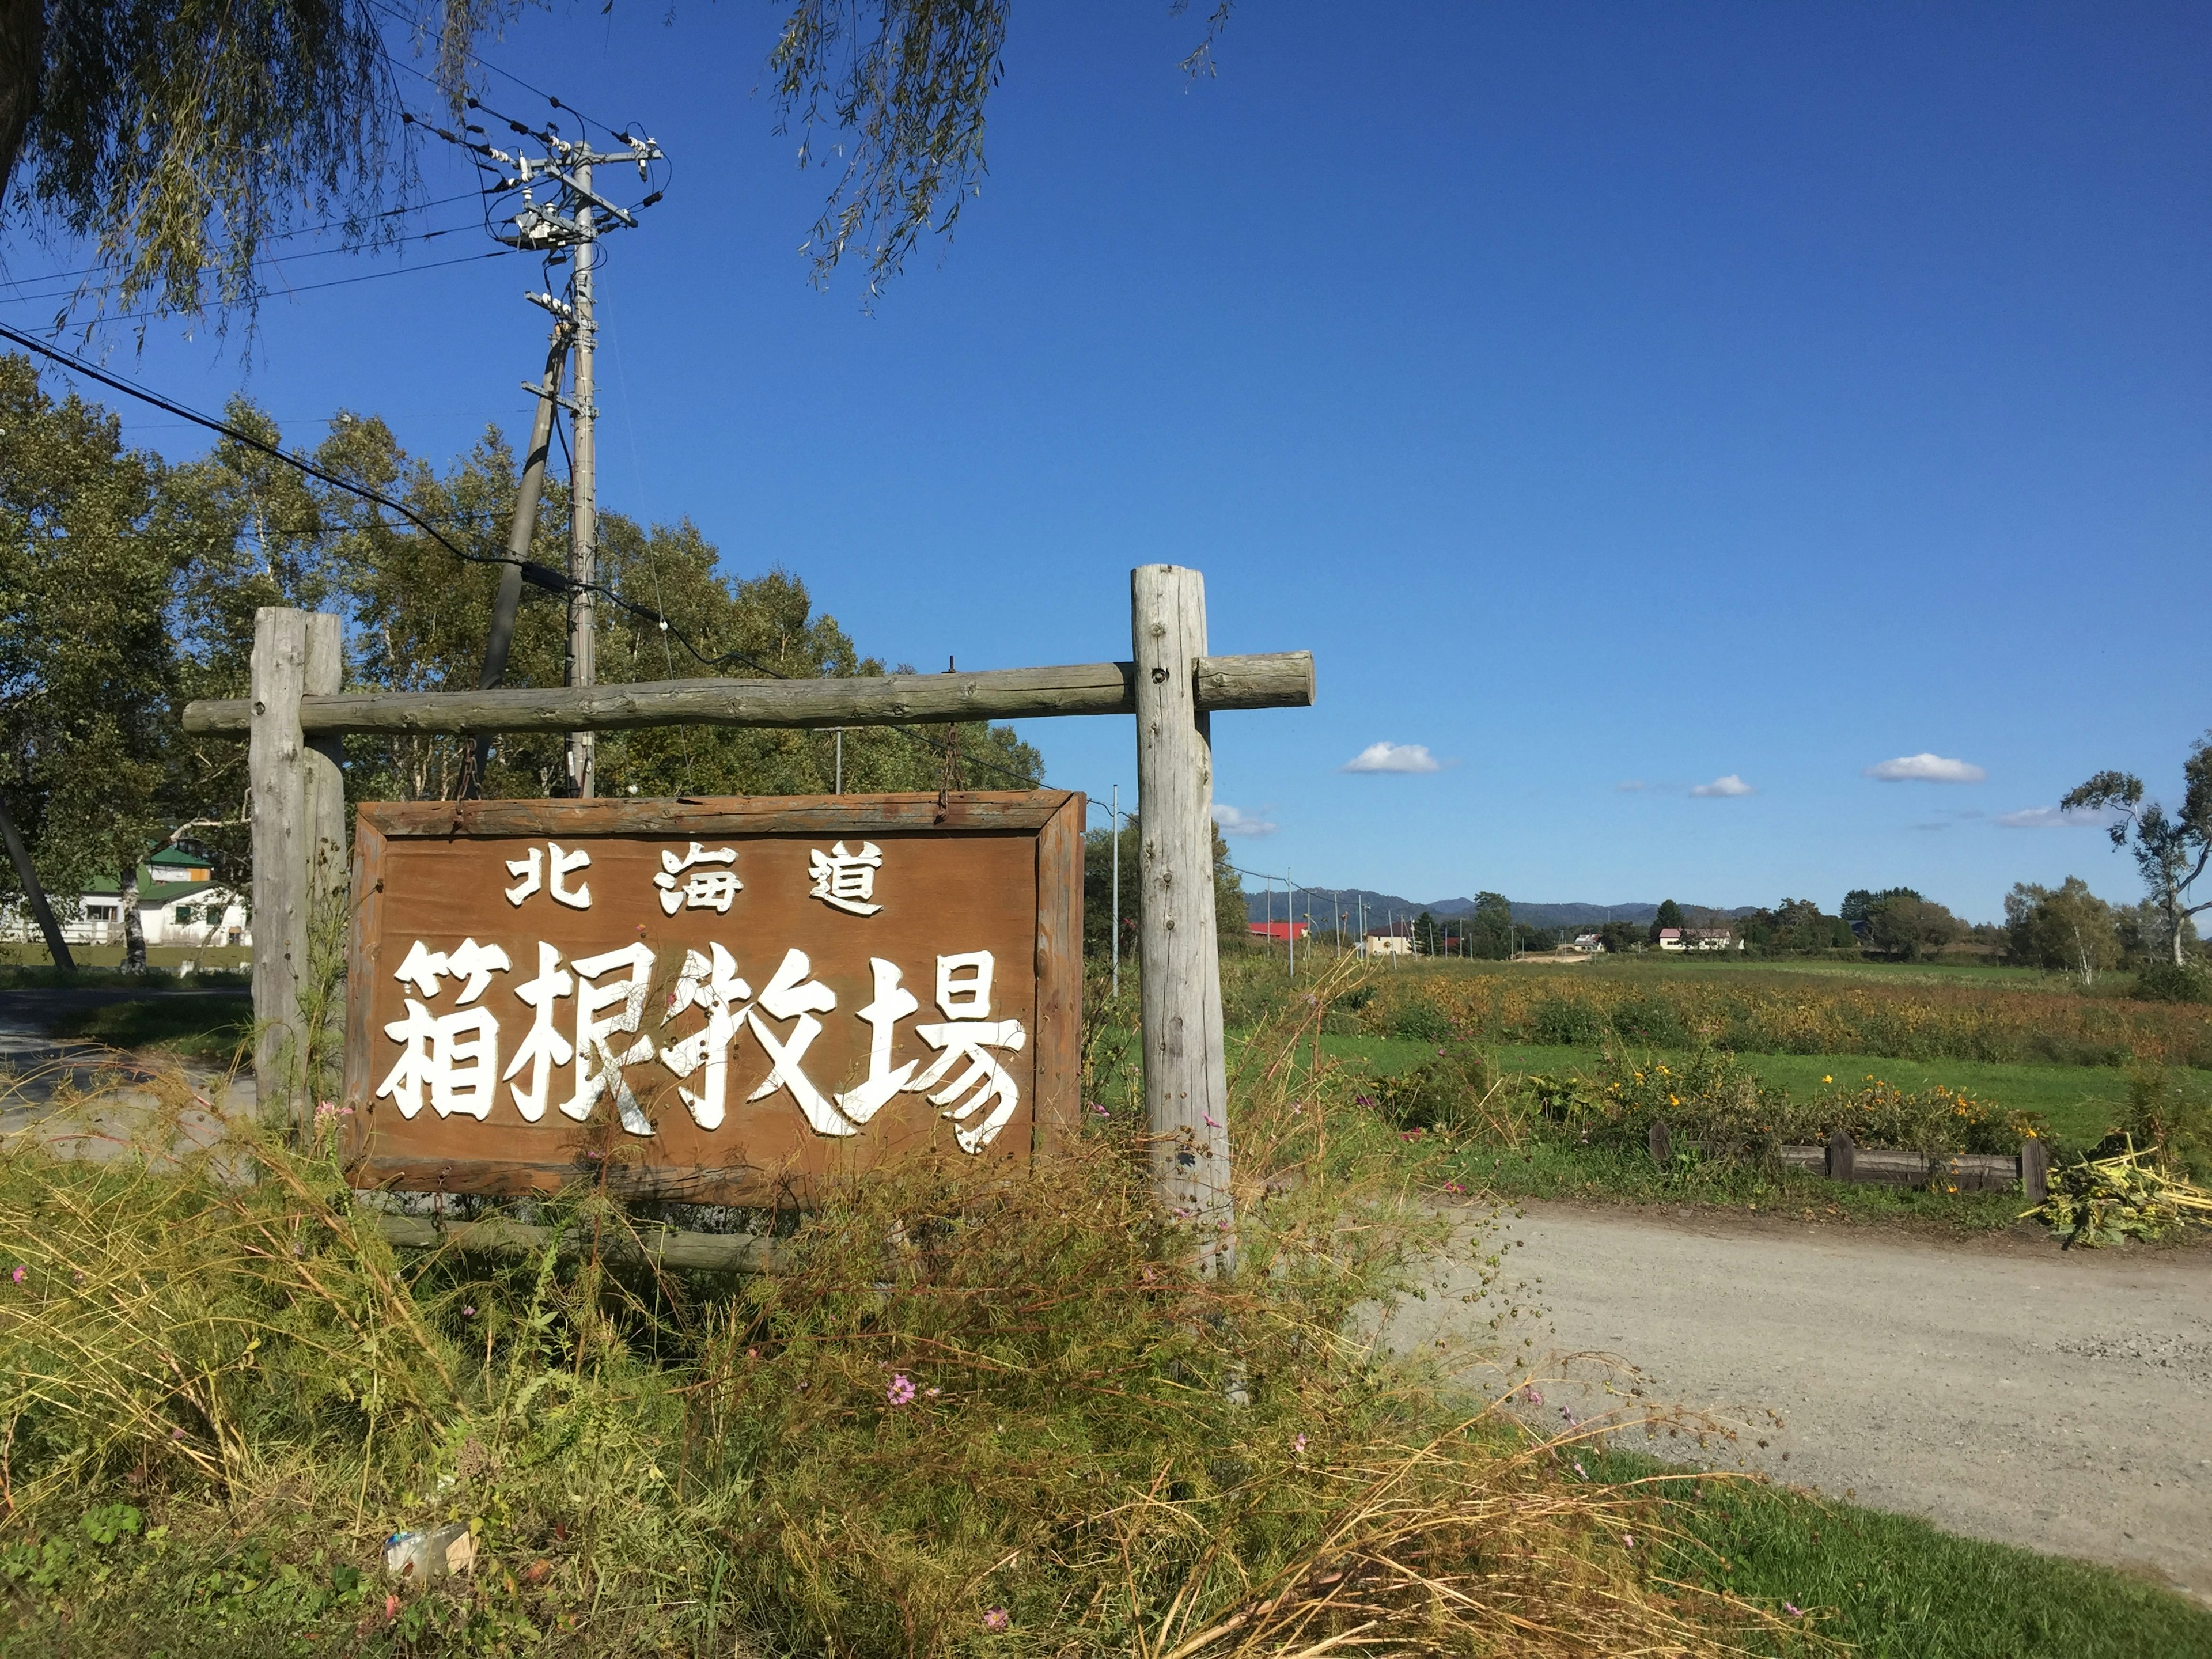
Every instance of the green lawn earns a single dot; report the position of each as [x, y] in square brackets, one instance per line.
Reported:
[206, 1028]
[1900, 1588]
[2081, 1102]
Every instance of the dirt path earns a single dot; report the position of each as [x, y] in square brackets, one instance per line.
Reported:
[2002, 1389]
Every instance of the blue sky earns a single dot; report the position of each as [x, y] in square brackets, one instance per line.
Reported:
[1607, 397]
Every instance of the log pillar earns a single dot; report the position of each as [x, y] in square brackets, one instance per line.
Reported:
[299, 842]
[1185, 1072]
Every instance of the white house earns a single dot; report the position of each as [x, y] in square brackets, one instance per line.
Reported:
[1587, 943]
[1698, 939]
[1386, 944]
[179, 903]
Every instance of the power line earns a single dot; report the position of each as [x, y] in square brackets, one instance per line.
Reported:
[282, 236]
[291, 290]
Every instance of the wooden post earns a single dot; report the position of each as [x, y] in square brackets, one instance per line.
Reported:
[1661, 1145]
[1185, 1075]
[2035, 1169]
[299, 839]
[1842, 1155]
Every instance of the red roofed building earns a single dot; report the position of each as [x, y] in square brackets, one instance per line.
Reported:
[1281, 930]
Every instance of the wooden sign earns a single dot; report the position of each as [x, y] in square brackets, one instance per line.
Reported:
[720, 1000]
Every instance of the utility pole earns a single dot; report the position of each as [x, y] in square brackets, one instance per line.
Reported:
[583, 508]
[568, 224]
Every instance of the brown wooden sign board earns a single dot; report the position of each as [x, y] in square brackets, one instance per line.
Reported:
[716, 1001]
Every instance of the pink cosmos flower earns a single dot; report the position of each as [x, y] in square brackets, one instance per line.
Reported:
[997, 1619]
[1298, 1445]
[901, 1392]
[1793, 1610]
[20, 1272]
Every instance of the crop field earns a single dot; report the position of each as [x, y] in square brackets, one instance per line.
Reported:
[2083, 1103]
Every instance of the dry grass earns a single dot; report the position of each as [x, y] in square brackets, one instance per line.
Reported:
[964, 1416]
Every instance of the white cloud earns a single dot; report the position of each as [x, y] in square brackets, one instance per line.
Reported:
[1630, 787]
[2051, 818]
[1926, 768]
[1722, 787]
[1231, 822]
[1394, 757]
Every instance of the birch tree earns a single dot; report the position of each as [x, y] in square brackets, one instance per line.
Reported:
[2171, 848]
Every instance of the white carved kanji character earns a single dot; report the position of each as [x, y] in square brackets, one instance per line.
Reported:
[713, 985]
[844, 879]
[893, 1003]
[593, 1032]
[963, 991]
[424, 967]
[545, 1047]
[559, 864]
[708, 890]
[790, 994]
[456, 1055]
[530, 866]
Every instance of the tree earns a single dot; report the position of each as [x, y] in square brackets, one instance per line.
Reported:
[1859, 904]
[177, 136]
[2066, 928]
[1620, 936]
[1490, 928]
[2171, 850]
[1903, 925]
[86, 679]
[1670, 915]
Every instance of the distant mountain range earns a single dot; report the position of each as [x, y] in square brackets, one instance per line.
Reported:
[1323, 906]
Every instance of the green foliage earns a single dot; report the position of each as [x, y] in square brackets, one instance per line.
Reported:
[2171, 1112]
[179, 136]
[1903, 926]
[1709, 1096]
[2165, 981]
[2065, 927]
[1894, 1586]
[1568, 1021]
[2171, 850]
[1453, 1090]
[958, 1407]
[127, 588]
[2108, 1200]
[209, 1028]
[86, 676]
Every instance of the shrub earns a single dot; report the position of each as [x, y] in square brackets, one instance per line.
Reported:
[2165, 982]
[1708, 1098]
[1652, 1021]
[1422, 1021]
[959, 1404]
[1567, 1022]
[1453, 1090]
[2171, 1114]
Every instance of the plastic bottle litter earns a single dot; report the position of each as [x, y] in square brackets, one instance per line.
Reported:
[426, 1555]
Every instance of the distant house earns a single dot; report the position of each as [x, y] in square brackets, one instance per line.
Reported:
[1587, 943]
[179, 903]
[1300, 930]
[1698, 939]
[1386, 944]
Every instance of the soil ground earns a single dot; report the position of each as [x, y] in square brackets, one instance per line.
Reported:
[1999, 1388]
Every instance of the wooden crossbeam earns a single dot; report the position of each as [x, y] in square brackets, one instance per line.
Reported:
[1279, 679]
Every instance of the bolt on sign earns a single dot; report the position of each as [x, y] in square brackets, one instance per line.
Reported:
[716, 1000]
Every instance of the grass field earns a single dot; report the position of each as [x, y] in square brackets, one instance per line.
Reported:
[1897, 1587]
[213, 1028]
[2080, 1101]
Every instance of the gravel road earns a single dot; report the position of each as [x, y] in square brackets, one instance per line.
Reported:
[2000, 1387]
